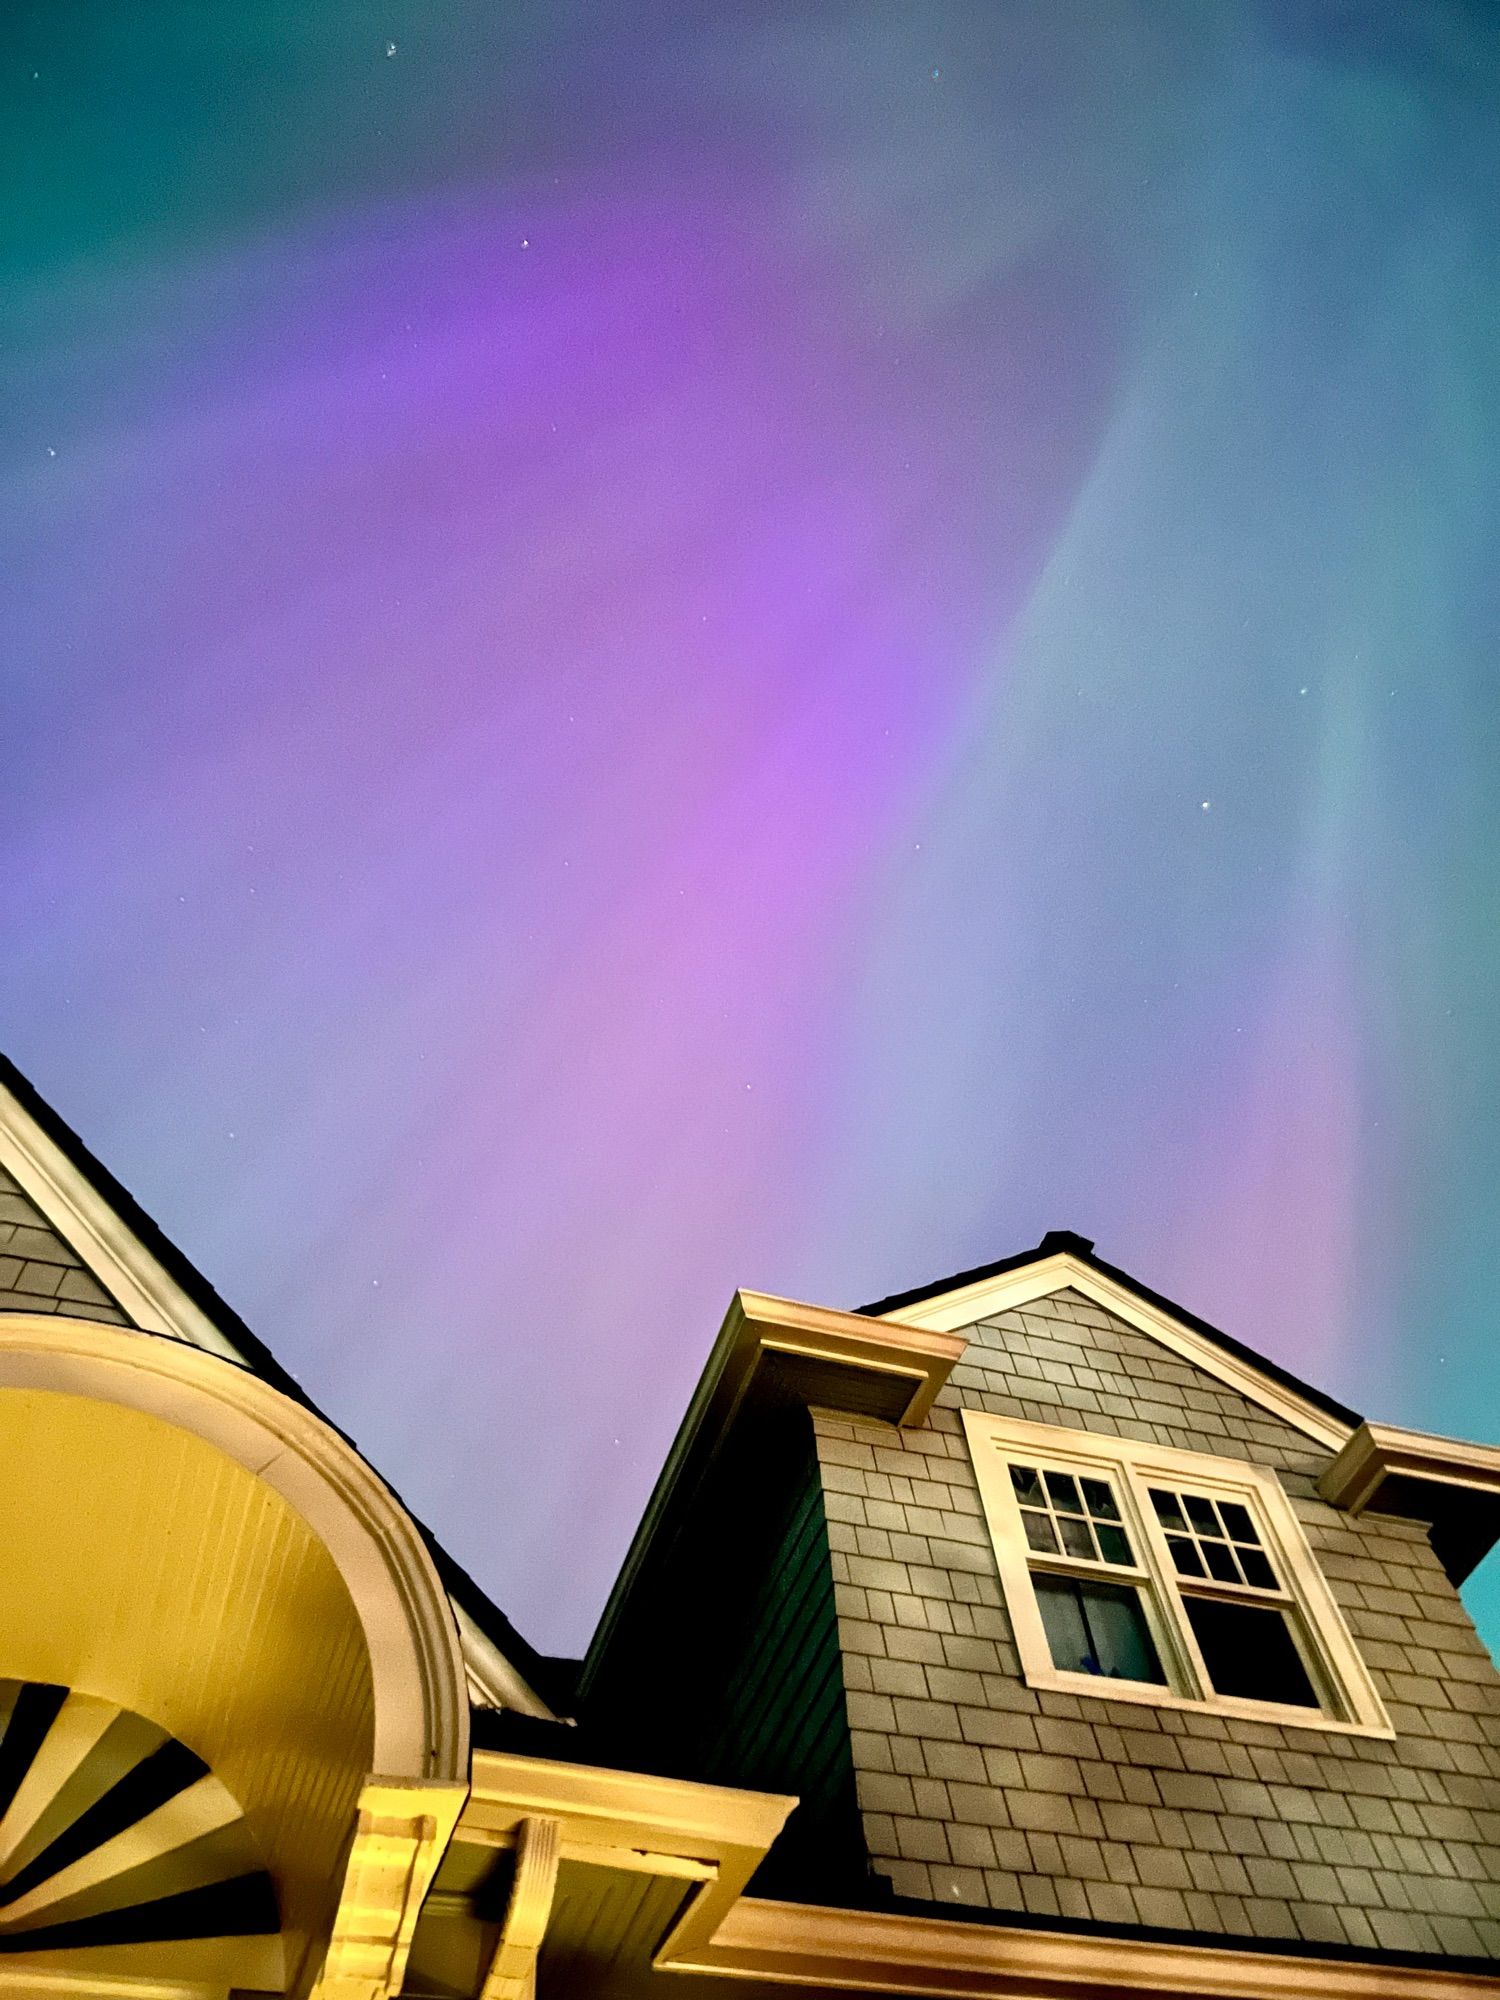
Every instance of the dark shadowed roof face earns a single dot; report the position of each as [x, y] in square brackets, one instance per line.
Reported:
[1063, 1242]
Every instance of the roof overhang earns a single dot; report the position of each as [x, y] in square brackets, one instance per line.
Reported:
[670, 1861]
[600, 1866]
[772, 1349]
[1451, 1486]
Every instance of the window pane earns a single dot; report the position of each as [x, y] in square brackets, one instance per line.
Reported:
[1040, 1533]
[1221, 1563]
[1097, 1628]
[1114, 1544]
[1257, 1570]
[1167, 1510]
[1122, 1640]
[1028, 1486]
[1249, 1651]
[1062, 1489]
[1185, 1555]
[1099, 1500]
[1062, 1619]
[1077, 1539]
[1237, 1520]
[1200, 1513]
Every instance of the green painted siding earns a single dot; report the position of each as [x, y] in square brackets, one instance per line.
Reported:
[728, 1669]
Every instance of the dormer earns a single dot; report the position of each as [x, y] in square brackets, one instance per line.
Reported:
[1065, 1613]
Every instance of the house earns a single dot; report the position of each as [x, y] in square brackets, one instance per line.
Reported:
[1020, 1635]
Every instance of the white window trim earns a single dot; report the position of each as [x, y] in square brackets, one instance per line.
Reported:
[1351, 1703]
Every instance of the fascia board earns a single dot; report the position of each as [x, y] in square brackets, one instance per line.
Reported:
[662, 1823]
[493, 1679]
[677, 1815]
[113, 1252]
[1062, 1271]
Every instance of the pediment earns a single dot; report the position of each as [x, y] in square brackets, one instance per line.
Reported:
[976, 1296]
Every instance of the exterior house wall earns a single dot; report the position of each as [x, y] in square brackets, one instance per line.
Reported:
[39, 1272]
[727, 1668]
[978, 1790]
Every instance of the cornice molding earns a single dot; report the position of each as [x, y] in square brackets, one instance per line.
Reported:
[1377, 1452]
[711, 1838]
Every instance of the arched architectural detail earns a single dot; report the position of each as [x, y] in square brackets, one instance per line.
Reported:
[181, 1539]
[113, 1833]
[421, 1711]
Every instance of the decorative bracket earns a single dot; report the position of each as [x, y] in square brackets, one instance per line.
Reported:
[512, 1971]
[401, 1831]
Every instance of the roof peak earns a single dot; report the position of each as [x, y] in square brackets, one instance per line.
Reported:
[1067, 1243]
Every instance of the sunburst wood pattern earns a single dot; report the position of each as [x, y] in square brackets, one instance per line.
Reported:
[112, 1832]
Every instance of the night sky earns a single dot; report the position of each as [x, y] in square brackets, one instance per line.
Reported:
[658, 646]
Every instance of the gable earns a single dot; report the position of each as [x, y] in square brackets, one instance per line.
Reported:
[978, 1299]
[39, 1271]
[1063, 1359]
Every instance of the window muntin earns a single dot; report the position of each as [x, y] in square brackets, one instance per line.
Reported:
[1084, 1573]
[1212, 1539]
[1064, 1515]
[1235, 1617]
[1249, 1646]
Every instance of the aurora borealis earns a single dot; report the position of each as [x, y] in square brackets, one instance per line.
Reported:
[664, 646]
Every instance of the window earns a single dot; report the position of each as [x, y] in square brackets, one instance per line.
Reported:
[1092, 1615]
[1172, 1576]
[1246, 1640]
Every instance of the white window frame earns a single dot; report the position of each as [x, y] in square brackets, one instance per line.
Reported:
[1349, 1701]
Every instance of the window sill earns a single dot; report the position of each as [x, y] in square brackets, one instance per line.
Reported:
[1100, 1688]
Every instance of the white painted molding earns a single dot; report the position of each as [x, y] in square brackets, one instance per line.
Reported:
[115, 1255]
[987, 1297]
[493, 1681]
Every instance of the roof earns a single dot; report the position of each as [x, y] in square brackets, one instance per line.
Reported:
[541, 1672]
[1064, 1241]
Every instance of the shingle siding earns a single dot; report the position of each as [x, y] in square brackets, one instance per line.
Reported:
[978, 1790]
[39, 1272]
